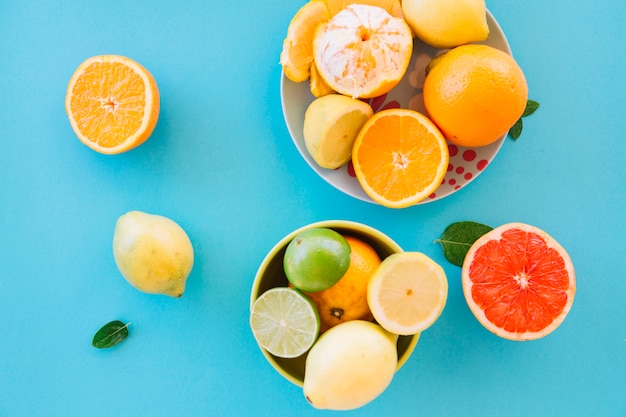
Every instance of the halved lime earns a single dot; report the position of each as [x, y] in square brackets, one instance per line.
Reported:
[284, 322]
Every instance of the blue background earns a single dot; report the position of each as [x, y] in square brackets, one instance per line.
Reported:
[221, 163]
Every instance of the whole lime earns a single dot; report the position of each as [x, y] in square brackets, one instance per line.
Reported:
[316, 259]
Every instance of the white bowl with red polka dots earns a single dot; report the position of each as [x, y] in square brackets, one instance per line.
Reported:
[465, 163]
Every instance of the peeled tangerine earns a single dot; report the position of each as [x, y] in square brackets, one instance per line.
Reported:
[362, 51]
[153, 253]
[350, 365]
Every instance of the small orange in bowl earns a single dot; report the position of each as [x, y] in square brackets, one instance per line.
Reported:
[112, 103]
[346, 300]
[475, 94]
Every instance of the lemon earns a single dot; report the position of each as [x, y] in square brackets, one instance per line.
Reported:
[407, 293]
[331, 124]
[284, 322]
[153, 253]
[350, 365]
[447, 23]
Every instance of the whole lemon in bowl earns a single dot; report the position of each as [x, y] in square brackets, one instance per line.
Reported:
[153, 253]
[447, 23]
[350, 365]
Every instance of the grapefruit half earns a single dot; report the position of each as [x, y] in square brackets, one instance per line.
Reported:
[518, 281]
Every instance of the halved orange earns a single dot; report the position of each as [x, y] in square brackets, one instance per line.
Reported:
[362, 51]
[112, 103]
[518, 281]
[400, 157]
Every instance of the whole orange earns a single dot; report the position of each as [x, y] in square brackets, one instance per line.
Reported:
[475, 94]
[347, 299]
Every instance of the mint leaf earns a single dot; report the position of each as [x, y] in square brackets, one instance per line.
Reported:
[458, 238]
[110, 334]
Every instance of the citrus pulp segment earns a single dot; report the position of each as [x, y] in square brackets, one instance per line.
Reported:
[518, 281]
[400, 157]
[297, 53]
[475, 94]
[112, 103]
[362, 51]
[284, 322]
[331, 124]
[407, 293]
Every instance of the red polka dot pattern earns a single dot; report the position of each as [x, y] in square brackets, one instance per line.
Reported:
[465, 165]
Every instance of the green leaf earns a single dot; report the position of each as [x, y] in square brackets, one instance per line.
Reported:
[531, 107]
[516, 130]
[110, 334]
[458, 238]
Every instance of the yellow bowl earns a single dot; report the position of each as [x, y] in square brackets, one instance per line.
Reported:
[271, 274]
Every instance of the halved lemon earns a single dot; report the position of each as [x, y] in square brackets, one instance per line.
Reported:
[407, 293]
[331, 125]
